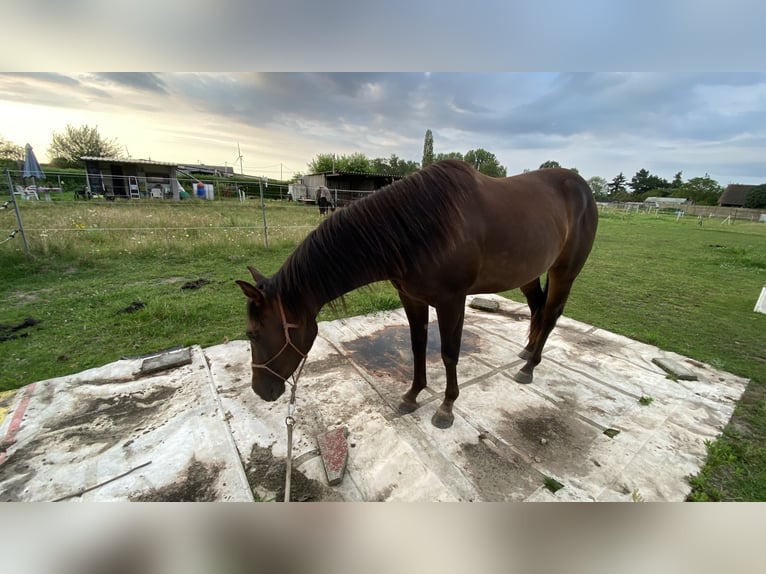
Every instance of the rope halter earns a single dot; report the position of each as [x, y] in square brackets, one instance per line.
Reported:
[290, 419]
[288, 343]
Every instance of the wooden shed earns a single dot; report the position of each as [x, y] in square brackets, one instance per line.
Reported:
[132, 178]
[343, 186]
[734, 195]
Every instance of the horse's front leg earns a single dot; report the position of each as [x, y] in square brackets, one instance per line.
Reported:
[451, 318]
[417, 315]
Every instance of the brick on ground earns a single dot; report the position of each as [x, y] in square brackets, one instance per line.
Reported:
[333, 448]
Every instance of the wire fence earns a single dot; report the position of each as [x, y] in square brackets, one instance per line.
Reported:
[706, 211]
[74, 211]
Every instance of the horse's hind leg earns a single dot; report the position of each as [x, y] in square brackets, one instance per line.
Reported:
[536, 301]
[417, 315]
[557, 290]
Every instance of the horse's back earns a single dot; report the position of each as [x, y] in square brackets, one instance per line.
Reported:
[526, 224]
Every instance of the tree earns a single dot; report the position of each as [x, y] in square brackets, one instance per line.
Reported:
[756, 197]
[598, 186]
[701, 190]
[549, 163]
[485, 162]
[11, 151]
[428, 149]
[616, 189]
[67, 148]
[645, 185]
[399, 166]
[360, 163]
[677, 181]
[356, 162]
[322, 162]
[451, 155]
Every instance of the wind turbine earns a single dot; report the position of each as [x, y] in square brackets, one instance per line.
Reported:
[239, 159]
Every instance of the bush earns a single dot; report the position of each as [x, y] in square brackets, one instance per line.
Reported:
[756, 197]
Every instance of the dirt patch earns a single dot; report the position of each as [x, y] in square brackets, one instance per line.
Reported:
[595, 343]
[515, 315]
[318, 366]
[266, 476]
[551, 436]
[389, 350]
[498, 473]
[196, 485]
[133, 307]
[10, 332]
[195, 284]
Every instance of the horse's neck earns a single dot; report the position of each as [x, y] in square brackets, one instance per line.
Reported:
[328, 276]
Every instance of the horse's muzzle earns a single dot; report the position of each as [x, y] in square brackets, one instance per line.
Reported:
[269, 390]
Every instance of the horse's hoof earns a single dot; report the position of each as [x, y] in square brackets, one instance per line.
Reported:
[406, 407]
[442, 419]
[525, 354]
[523, 378]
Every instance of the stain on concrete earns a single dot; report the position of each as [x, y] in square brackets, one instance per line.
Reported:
[315, 367]
[389, 350]
[551, 436]
[96, 426]
[196, 484]
[498, 473]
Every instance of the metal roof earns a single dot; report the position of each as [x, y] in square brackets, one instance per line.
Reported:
[365, 173]
[129, 161]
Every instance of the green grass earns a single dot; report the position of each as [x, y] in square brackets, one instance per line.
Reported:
[673, 284]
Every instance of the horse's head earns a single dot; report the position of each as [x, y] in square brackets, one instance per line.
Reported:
[277, 345]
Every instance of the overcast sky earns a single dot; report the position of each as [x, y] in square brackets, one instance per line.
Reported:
[600, 123]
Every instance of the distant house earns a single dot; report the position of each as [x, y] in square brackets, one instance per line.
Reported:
[342, 186]
[734, 195]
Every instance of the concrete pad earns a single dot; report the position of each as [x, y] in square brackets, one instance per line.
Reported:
[163, 435]
[201, 429]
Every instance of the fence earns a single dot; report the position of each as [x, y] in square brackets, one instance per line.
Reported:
[78, 186]
[706, 211]
[66, 224]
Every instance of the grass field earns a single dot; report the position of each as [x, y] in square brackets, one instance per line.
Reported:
[105, 280]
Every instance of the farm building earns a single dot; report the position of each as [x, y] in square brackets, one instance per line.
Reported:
[342, 186]
[132, 179]
[734, 195]
[666, 202]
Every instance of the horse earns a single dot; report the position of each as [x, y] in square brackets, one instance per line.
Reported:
[324, 205]
[438, 235]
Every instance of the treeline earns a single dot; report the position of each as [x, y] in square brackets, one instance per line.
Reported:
[481, 159]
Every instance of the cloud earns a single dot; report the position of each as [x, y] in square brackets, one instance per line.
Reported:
[602, 123]
[137, 80]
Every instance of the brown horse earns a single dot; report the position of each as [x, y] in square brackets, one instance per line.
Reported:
[438, 235]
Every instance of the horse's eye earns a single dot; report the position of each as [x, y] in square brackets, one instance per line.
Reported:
[253, 336]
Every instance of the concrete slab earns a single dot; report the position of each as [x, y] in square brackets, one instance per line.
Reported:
[164, 436]
[601, 419]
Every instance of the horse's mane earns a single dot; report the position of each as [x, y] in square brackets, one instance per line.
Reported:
[378, 237]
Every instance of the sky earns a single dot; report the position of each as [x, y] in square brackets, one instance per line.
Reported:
[601, 123]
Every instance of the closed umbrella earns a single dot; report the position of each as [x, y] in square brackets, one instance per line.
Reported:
[32, 166]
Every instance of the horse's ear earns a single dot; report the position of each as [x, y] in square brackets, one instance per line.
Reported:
[251, 291]
[257, 275]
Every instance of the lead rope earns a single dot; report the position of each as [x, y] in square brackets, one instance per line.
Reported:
[290, 423]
